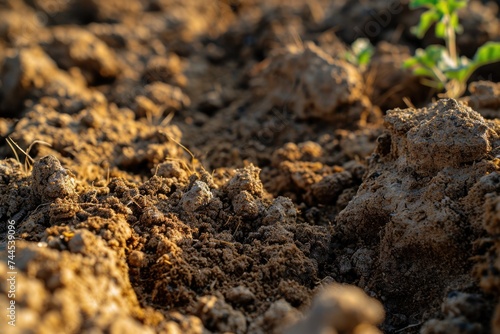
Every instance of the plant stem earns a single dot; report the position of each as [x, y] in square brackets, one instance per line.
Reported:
[439, 75]
[451, 43]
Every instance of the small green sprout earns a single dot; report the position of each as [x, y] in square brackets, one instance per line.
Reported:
[361, 53]
[440, 65]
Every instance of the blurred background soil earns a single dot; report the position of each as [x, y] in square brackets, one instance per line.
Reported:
[211, 166]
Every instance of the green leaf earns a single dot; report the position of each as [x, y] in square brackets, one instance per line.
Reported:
[423, 3]
[410, 62]
[426, 20]
[361, 52]
[486, 54]
[432, 83]
[431, 55]
[442, 7]
[364, 57]
[448, 7]
[454, 22]
[441, 29]
[349, 56]
[460, 74]
[423, 72]
[436, 64]
[455, 5]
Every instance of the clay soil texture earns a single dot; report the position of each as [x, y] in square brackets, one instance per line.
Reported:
[188, 166]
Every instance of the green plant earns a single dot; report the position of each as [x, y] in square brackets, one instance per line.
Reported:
[441, 66]
[360, 53]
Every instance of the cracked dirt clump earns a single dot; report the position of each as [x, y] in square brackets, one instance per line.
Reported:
[196, 197]
[413, 209]
[30, 74]
[77, 47]
[50, 180]
[445, 135]
[484, 98]
[315, 85]
[16, 189]
[246, 179]
[62, 292]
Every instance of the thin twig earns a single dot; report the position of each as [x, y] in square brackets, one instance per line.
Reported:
[409, 326]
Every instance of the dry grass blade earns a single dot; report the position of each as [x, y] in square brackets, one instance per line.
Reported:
[167, 119]
[28, 160]
[194, 161]
[193, 158]
[11, 144]
[408, 102]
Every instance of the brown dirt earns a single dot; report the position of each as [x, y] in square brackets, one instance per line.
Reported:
[218, 167]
